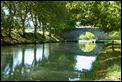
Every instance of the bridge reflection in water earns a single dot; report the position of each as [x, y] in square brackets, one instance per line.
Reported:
[18, 61]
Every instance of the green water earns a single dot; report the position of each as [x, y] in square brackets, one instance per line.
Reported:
[47, 62]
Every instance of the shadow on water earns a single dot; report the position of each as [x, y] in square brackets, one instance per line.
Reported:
[47, 62]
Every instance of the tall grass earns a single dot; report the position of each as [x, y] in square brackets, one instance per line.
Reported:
[107, 66]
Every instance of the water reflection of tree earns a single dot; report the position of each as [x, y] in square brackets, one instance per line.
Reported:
[15, 72]
[35, 61]
[60, 60]
[44, 60]
[7, 61]
[56, 61]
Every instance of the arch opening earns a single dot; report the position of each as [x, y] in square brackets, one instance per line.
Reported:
[87, 46]
[86, 41]
[87, 36]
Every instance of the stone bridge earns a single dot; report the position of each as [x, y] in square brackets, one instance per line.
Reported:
[73, 34]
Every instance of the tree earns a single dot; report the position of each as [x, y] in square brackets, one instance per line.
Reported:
[22, 13]
[8, 20]
[102, 14]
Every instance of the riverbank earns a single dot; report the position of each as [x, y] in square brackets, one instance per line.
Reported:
[30, 38]
[107, 66]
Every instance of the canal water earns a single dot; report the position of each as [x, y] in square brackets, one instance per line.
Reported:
[48, 62]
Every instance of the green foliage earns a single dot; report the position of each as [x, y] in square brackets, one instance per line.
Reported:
[20, 12]
[54, 16]
[102, 14]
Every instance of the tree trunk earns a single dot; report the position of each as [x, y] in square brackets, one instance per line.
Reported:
[10, 18]
[43, 32]
[43, 29]
[23, 26]
[35, 30]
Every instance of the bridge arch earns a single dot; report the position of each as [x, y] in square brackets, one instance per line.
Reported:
[87, 35]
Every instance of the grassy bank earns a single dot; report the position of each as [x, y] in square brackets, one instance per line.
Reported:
[30, 38]
[107, 66]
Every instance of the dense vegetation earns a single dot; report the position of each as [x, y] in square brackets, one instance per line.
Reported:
[107, 66]
[54, 16]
